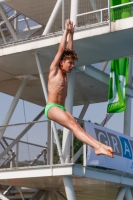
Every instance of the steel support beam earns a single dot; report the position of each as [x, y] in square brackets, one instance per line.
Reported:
[52, 17]
[13, 17]
[27, 24]
[7, 190]
[128, 194]
[69, 106]
[95, 73]
[44, 87]
[15, 141]
[83, 111]
[15, 21]
[2, 34]
[19, 189]
[38, 156]
[127, 112]
[108, 118]
[101, 76]
[13, 105]
[104, 65]
[77, 155]
[69, 188]
[49, 141]
[37, 195]
[74, 11]
[10, 28]
[2, 197]
[121, 193]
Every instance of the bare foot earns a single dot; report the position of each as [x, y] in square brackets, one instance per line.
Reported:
[104, 151]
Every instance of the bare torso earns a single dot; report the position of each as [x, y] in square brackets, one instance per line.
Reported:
[57, 87]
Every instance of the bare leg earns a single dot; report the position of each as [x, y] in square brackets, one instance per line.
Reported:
[66, 119]
[105, 146]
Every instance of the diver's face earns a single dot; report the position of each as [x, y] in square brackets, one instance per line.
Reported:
[67, 65]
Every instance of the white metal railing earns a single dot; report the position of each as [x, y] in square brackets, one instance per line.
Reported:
[96, 17]
[11, 143]
[93, 12]
[16, 149]
[108, 10]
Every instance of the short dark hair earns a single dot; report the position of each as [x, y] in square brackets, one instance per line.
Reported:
[69, 54]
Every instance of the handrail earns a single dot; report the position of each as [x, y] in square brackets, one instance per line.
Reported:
[29, 143]
[103, 9]
[120, 5]
[92, 12]
[23, 123]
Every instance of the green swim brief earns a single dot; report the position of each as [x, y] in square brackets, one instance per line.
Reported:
[50, 105]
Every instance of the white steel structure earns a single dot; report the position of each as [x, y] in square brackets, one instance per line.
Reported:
[30, 32]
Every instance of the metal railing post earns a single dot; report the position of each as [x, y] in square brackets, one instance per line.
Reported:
[101, 16]
[11, 162]
[45, 156]
[84, 154]
[74, 11]
[63, 14]
[17, 153]
[109, 16]
[51, 148]
[48, 142]
[127, 112]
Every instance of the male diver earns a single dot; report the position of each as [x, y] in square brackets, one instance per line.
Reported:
[62, 64]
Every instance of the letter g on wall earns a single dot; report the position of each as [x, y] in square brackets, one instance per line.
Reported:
[101, 136]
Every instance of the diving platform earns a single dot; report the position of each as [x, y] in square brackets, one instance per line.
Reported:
[89, 183]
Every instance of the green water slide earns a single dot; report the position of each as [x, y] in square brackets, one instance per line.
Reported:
[118, 68]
